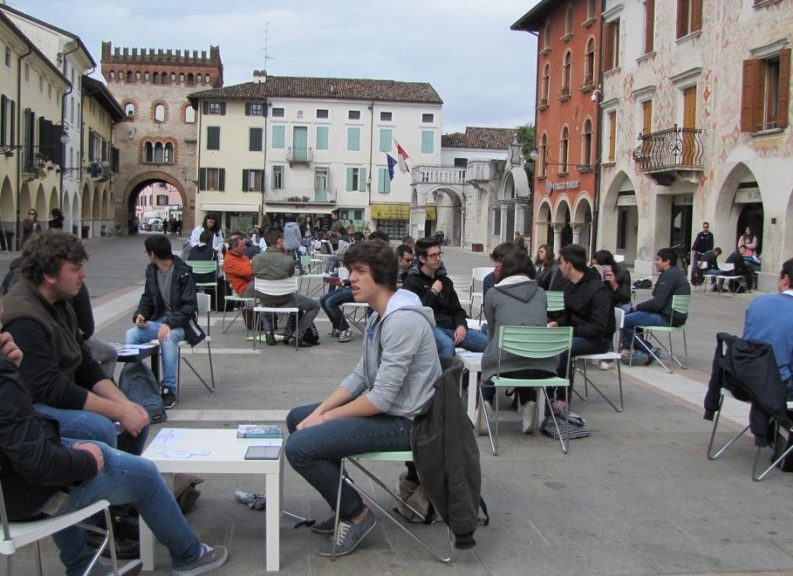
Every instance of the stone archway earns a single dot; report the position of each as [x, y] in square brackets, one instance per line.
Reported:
[54, 203]
[543, 230]
[562, 228]
[581, 222]
[619, 218]
[7, 215]
[512, 214]
[447, 218]
[125, 206]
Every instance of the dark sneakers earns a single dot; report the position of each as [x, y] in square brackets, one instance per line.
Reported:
[326, 526]
[168, 398]
[210, 559]
[349, 536]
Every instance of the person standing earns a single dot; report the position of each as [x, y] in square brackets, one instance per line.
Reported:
[293, 239]
[702, 243]
[30, 225]
[211, 222]
[57, 219]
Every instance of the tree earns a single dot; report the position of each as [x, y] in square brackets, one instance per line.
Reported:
[526, 140]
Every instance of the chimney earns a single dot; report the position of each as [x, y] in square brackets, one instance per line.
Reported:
[260, 76]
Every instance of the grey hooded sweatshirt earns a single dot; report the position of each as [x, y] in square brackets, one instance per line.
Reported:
[515, 301]
[399, 364]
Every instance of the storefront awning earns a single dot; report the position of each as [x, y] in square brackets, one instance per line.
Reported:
[226, 207]
[390, 211]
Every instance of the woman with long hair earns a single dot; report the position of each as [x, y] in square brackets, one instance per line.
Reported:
[615, 277]
[211, 222]
[749, 240]
[545, 264]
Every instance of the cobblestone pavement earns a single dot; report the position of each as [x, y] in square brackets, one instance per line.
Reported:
[637, 497]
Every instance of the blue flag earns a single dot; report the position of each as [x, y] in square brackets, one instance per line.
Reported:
[391, 163]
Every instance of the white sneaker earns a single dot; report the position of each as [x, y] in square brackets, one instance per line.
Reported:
[527, 412]
[345, 336]
[606, 365]
[482, 423]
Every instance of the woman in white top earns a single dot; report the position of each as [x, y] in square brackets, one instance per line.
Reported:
[212, 223]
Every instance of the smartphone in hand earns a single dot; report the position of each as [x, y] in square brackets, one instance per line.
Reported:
[605, 270]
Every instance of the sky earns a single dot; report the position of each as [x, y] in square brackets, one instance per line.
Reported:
[484, 72]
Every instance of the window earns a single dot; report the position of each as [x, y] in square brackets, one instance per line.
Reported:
[159, 113]
[155, 78]
[159, 156]
[765, 99]
[353, 115]
[212, 108]
[567, 67]
[212, 179]
[612, 135]
[356, 180]
[649, 26]
[546, 36]
[213, 137]
[254, 109]
[611, 46]
[428, 118]
[189, 115]
[129, 110]
[564, 150]
[586, 143]
[41, 84]
[278, 112]
[591, 9]
[255, 139]
[148, 152]
[385, 140]
[383, 181]
[7, 108]
[589, 63]
[321, 180]
[322, 138]
[568, 21]
[543, 167]
[168, 153]
[49, 90]
[353, 139]
[279, 137]
[162, 200]
[461, 162]
[181, 78]
[385, 116]
[647, 117]
[253, 180]
[427, 141]
[8, 56]
[322, 114]
[689, 17]
[278, 178]
[27, 72]
[546, 84]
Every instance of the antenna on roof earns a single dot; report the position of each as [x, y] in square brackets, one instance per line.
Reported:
[266, 45]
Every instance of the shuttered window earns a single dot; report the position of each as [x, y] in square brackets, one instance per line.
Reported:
[689, 17]
[353, 139]
[322, 138]
[649, 26]
[255, 140]
[765, 98]
[213, 137]
[279, 136]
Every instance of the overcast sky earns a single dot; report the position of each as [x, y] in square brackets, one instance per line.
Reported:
[483, 71]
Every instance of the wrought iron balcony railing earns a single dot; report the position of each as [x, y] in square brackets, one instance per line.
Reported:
[673, 149]
[299, 155]
[300, 196]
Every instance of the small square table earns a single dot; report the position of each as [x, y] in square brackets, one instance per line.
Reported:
[217, 451]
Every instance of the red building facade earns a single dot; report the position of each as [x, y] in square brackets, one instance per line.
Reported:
[566, 121]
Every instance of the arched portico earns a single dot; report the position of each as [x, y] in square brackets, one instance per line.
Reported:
[562, 230]
[619, 218]
[448, 207]
[581, 223]
[137, 184]
[512, 212]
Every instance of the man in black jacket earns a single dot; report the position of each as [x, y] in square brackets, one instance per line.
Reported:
[588, 306]
[702, 243]
[166, 307]
[43, 472]
[657, 311]
[436, 291]
[65, 381]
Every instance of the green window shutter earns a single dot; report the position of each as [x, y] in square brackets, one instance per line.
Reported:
[247, 108]
[245, 180]
[322, 138]
[348, 187]
[222, 180]
[202, 179]
[384, 182]
[222, 108]
[353, 139]
[205, 107]
[362, 180]
[213, 137]
[255, 140]
[385, 140]
[278, 137]
[427, 141]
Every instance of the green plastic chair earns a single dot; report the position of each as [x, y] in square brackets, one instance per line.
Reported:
[680, 304]
[531, 342]
[555, 300]
[205, 267]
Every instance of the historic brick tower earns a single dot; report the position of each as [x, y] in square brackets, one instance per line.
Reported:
[158, 140]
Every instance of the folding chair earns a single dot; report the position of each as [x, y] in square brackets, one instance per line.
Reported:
[201, 267]
[531, 342]
[478, 276]
[728, 279]
[776, 410]
[19, 534]
[462, 285]
[619, 318]
[185, 349]
[246, 302]
[285, 287]
[680, 304]
[554, 300]
[356, 314]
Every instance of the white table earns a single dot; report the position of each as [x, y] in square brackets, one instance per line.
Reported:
[473, 363]
[217, 451]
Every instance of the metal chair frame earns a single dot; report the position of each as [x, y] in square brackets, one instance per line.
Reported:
[282, 287]
[680, 304]
[203, 307]
[619, 318]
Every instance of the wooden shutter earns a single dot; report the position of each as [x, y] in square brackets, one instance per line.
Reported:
[783, 102]
[13, 123]
[612, 136]
[349, 187]
[202, 179]
[222, 179]
[205, 107]
[696, 15]
[649, 25]
[608, 47]
[362, 180]
[3, 120]
[647, 116]
[682, 18]
[247, 108]
[222, 108]
[751, 76]
[245, 187]
[690, 107]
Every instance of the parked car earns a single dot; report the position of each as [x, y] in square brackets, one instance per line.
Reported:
[153, 225]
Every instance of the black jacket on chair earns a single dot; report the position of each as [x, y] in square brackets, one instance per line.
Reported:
[446, 456]
[748, 369]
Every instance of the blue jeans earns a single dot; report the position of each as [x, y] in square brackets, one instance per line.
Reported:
[331, 303]
[127, 479]
[169, 349]
[474, 341]
[315, 453]
[640, 319]
[84, 425]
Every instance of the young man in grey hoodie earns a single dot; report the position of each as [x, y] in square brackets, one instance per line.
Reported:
[373, 408]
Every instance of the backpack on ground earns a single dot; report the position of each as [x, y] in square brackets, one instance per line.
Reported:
[138, 383]
[311, 335]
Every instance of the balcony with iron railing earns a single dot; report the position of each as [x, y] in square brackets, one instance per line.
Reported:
[299, 155]
[672, 150]
[300, 196]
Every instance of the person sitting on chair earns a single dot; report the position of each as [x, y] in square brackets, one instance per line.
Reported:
[277, 263]
[740, 268]
[237, 266]
[44, 472]
[657, 311]
[167, 305]
[373, 408]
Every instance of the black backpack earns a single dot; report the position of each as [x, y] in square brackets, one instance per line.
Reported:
[311, 335]
[138, 383]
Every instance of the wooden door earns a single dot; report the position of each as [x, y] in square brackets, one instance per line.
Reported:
[689, 124]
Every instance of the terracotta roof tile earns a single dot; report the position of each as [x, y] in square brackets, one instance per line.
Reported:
[477, 137]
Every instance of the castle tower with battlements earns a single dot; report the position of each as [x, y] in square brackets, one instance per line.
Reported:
[158, 141]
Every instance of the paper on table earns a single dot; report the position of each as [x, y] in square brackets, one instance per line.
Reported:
[183, 454]
[168, 436]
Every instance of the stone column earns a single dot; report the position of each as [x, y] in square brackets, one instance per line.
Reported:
[576, 232]
[418, 217]
[557, 236]
[520, 211]
[504, 213]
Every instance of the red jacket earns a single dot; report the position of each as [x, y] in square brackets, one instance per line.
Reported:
[239, 272]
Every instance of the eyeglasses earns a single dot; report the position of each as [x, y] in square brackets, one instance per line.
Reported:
[435, 255]
[31, 213]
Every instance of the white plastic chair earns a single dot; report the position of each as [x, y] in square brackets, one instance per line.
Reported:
[478, 277]
[282, 287]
